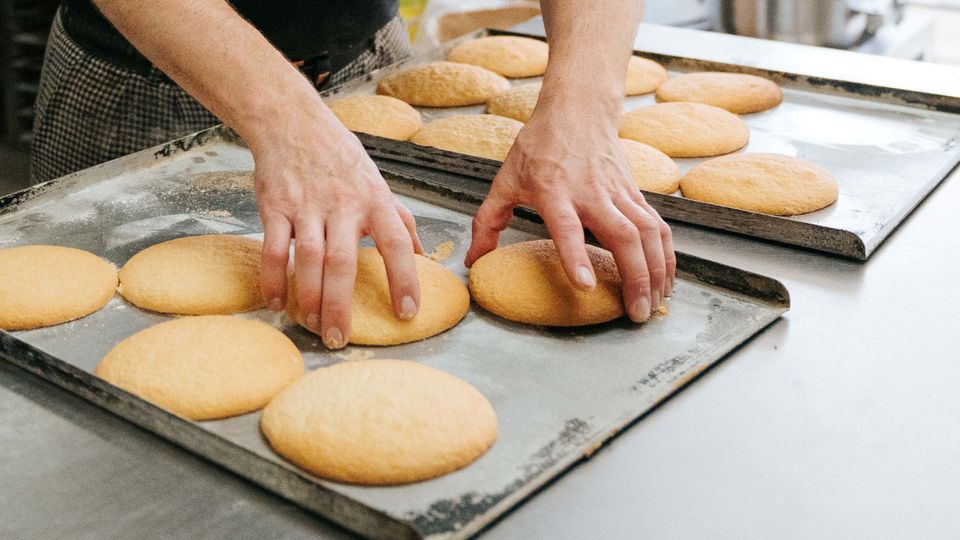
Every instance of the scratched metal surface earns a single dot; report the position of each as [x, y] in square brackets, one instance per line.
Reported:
[558, 394]
[886, 148]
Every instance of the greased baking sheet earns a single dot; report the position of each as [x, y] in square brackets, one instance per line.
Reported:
[886, 148]
[558, 394]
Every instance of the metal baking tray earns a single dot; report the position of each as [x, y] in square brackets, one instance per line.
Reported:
[559, 394]
[887, 149]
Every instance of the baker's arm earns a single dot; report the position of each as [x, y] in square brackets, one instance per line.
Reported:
[567, 162]
[313, 179]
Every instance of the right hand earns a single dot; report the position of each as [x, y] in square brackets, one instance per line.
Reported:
[315, 183]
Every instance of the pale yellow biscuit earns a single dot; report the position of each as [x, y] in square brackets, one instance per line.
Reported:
[380, 422]
[444, 301]
[736, 92]
[766, 183]
[482, 135]
[510, 56]
[383, 116]
[443, 84]
[517, 103]
[686, 129]
[47, 285]
[651, 169]
[195, 275]
[525, 283]
[203, 368]
[643, 76]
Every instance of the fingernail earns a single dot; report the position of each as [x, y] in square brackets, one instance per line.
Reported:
[585, 277]
[333, 338]
[408, 308]
[276, 305]
[313, 322]
[641, 310]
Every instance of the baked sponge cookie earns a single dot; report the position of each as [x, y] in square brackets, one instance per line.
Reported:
[444, 301]
[643, 76]
[482, 135]
[380, 422]
[525, 283]
[736, 92]
[443, 84]
[517, 103]
[510, 56]
[766, 183]
[203, 368]
[383, 116]
[685, 130]
[196, 275]
[47, 285]
[651, 169]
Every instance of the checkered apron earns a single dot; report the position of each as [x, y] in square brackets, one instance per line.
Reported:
[89, 111]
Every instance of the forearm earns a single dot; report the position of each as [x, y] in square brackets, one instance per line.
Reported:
[590, 45]
[221, 60]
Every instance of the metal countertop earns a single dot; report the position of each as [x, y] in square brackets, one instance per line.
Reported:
[841, 420]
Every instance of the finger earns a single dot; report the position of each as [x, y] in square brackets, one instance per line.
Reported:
[274, 260]
[492, 217]
[620, 236]
[411, 225]
[339, 276]
[649, 230]
[666, 239]
[567, 233]
[393, 242]
[308, 271]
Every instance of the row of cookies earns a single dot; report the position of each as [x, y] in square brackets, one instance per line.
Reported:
[696, 119]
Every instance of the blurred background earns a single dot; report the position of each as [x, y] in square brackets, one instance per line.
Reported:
[927, 30]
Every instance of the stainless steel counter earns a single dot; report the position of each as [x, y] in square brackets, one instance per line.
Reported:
[843, 419]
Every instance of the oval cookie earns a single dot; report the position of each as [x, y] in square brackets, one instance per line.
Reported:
[651, 169]
[736, 92]
[482, 135]
[686, 129]
[510, 56]
[643, 76]
[517, 103]
[382, 116]
[443, 84]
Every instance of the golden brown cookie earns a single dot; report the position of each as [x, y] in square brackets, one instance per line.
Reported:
[443, 302]
[766, 183]
[443, 84]
[686, 129]
[517, 103]
[482, 135]
[47, 285]
[651, 169]
[643, 76]
[525, 283]
[510, 56]
[382, 116]
[203, 368]
[380, 422]
[196, 275]
[736, 92]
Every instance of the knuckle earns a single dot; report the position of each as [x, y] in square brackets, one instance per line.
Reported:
[309, 252]
[638, 282]
[565, 223]
[339, 257]
[395, 241]
[624, 231]
[658, 274]
[275, 255]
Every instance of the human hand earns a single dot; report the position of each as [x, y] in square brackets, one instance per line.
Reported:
[575, 176]
[315, 183]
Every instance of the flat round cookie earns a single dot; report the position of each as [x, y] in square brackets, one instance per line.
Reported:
[47, 285]
[196, 275]
[510, 56]
[766, 183]
[651, 169]
[643, 76]
[380, 422]
[525, 282]
[443, 84]
[517, 103]
[684, 130]
[203, 368]
[736, 92]
[482, 135]
[382, 116]
[444, 301]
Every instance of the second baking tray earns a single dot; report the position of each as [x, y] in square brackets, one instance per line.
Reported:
[887, 149]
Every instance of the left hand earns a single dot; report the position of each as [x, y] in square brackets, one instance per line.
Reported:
[574, 175]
